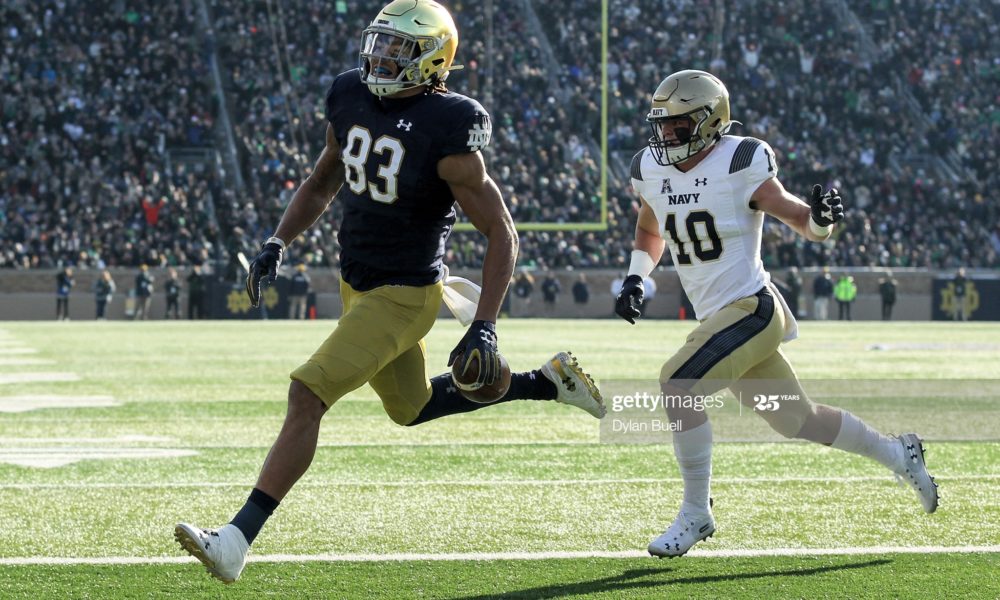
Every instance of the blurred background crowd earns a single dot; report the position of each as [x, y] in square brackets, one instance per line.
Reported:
[173, 134]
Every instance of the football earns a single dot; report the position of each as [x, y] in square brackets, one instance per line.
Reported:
[466, 382]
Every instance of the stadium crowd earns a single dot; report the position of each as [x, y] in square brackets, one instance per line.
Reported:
[94, 98]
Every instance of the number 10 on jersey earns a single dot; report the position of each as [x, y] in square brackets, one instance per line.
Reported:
[700, 226]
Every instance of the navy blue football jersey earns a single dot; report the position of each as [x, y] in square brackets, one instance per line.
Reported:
[397, 212]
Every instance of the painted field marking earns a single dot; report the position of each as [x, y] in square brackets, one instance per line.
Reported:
[121, 439]
[47, 458]
[7, 378]
[25, 361]
[473, 483]
[18, 351]
[17, 404]
[490, 556]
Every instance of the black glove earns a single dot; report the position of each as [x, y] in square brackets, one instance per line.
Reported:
[826, 208]
[630, 299]
[266, 263]
[479, 342]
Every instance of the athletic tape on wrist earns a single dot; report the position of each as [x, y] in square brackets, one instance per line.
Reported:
[641, 264]
[819, 230]
[276, 240]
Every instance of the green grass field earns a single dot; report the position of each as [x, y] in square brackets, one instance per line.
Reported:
[520, 500]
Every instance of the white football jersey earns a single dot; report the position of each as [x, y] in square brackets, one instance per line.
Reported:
[705, 217]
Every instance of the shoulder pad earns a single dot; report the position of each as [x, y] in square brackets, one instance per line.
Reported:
[743, 155]
[635, 171]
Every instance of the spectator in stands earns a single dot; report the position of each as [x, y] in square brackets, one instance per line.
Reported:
[173, 289]
[196, 293]
[649, 292]
[298, 293]
[104, 290]
[143, 293]
[887, 290]
[822, 291]
[845, 291]
[581, 290]
[793, 282]
[960, 289]
[550, 292]
[64, 285]
[524, 285]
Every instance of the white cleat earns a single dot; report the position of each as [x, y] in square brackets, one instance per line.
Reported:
[223, 551]
[915, 472]
[575, 387]
[691, 526]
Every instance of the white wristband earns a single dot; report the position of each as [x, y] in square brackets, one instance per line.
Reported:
[276, 240]
[819, 230]
[642, 264]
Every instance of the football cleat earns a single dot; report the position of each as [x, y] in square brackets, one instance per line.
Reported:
[223, 551]
[914, 472]
[691, 526]
[574, 387]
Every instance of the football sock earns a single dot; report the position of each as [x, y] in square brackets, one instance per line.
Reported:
[693, 449]
[857, 437]
[447, 400]
[531, 385]
[254, 513]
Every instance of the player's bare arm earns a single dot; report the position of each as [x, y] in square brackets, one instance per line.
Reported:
[308, 203]
[478, 195]
[316, 192]
[812, 221]
[647, 233]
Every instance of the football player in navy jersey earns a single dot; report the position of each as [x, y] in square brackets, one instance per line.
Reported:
[407, 149]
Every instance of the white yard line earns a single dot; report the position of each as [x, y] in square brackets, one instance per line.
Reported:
[475, 482]
[25, 361]
[12, 404]
[37, 377]
[481, 556]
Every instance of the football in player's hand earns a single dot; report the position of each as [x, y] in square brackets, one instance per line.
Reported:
[466, 381]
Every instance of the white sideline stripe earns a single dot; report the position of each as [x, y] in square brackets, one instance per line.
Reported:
[49, 458]
[12, 404]
[481, 556]
[472, 482]
[26, 361]
[18, 351]
[37, 377]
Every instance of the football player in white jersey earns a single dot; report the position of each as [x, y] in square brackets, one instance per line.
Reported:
[704, 194]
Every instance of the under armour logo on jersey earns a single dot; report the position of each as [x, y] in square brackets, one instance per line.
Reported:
[700, 182]
[404, 125]
[666, 187]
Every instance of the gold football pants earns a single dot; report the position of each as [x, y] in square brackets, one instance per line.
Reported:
[378, 340]
[738, 348]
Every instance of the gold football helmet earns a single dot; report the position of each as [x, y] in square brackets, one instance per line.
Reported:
[698, 104]
[410, 43]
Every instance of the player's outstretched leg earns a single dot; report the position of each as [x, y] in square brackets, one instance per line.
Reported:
[560, 379]
[903, 454]
[694, 521]
[224, 551]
